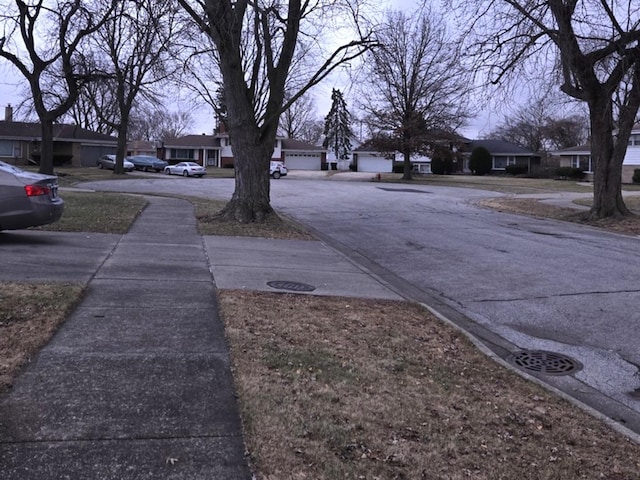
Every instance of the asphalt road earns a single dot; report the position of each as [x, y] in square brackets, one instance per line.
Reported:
[536, 284]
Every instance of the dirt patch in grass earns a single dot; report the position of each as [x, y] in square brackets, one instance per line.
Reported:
[526, 206]
[210, 223]
[345, 388]
[30, 313]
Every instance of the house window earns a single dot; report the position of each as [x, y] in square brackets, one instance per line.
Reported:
[634, 140]
[583, 162]
[501, 162]
[6, 148]
[182, 154]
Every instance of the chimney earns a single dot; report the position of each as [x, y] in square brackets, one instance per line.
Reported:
[8, 113]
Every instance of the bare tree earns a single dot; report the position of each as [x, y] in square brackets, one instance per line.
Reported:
[526, 126]
[255, 45]
[42, 41]
[567, 132]
[131, 57]
[297, 117]
[415, 84]
[592, 45]
[93, 107]
[311, 131]
[158, 124]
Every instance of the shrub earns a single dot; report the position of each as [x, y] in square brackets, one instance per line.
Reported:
[570, 172]
[398, 168]
[516, 169]
[441, 166]
[480, 161]
[636, 176]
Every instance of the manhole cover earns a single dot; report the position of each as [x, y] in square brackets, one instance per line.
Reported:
[549, 363]
[291, 286]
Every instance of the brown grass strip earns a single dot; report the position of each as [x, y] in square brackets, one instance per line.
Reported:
[362, 389]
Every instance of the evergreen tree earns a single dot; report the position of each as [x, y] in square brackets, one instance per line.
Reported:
[337, 128]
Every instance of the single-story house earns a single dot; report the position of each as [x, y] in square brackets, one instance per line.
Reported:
[504, 154]
[20, 143]
[215, 151]
[580, 156]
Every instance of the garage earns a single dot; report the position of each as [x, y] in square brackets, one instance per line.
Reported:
[374, 164]
[91, 154]
[302, 161]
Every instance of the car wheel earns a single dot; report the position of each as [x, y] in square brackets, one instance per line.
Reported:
[167, 171]
[100, 166]
[185, 173]
[276, 174]
[146, 169]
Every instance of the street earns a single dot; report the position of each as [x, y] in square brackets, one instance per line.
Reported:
[538, 284]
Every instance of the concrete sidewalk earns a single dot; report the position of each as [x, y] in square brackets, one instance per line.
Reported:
[137, 383]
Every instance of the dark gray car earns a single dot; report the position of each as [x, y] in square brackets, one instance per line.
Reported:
[27, 199]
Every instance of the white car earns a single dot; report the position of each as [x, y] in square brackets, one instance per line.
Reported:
[277, 169]
[186, 169]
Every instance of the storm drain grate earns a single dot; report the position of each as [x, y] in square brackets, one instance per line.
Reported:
[549, 363]
[291, 286]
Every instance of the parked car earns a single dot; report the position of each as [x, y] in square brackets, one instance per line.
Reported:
[147, 162]
[27, 199]
[109, 161]
[278, 169]
[186, 169]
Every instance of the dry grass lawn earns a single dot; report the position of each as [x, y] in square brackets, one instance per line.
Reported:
[29, 314]
[344, 388]
[526, 206]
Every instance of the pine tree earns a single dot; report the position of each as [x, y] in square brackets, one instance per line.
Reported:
[337, 128]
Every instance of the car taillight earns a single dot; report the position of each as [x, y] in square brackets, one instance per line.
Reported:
[36, 190]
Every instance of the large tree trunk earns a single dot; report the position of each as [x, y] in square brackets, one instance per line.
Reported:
[251, 201]
[121, 149]
[406, 171]
[607, 163]
[46, 147]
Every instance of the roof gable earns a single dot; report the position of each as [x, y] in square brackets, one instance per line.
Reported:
[33, 131]
[500, 147]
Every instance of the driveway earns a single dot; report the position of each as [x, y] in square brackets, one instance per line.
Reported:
[524, 283]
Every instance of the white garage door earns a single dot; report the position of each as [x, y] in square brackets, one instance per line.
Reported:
[301, 161]
[375, 165]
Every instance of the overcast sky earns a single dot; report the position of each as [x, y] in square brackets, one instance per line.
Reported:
[11, 85]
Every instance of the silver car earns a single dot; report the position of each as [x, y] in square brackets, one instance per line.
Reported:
[109, 161]
[27, 199]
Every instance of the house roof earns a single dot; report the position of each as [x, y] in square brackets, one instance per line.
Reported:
[585, 148]
[32, 131]
[195, 141]
[213, 141]
[500, 147]
[292, 144]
